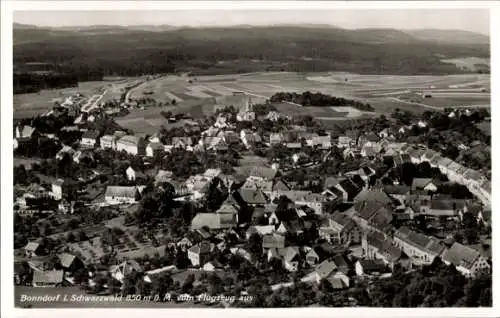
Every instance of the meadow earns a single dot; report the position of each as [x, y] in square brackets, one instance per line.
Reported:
[198, 95]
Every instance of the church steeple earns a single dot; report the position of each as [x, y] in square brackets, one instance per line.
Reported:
[249, 105]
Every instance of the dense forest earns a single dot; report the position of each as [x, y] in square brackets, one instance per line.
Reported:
[239, 49]
[33, 77]
[319, 99]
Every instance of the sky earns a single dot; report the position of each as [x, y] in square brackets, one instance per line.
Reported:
[475, 20]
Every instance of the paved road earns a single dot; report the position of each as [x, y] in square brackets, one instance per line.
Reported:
[92, 102]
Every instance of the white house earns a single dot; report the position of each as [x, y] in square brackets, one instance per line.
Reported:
[108, 142]
[121, 195]
[154, 147]
[130, 173]
[89, 139]
[57, 191]
[131, 144]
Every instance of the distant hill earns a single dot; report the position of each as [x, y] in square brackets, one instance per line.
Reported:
[125, 50]
[450, 36]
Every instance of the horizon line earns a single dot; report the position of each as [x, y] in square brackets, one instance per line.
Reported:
[247, 25]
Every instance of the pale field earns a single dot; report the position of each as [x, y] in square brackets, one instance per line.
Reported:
[468, 62]
[28, 105]
[197, 97]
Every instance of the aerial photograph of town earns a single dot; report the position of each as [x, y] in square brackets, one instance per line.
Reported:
[251, 159]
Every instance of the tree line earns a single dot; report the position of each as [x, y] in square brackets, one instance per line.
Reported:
[319, 100]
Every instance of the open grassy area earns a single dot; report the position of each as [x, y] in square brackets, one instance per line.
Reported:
[195, 94]
[33, 104]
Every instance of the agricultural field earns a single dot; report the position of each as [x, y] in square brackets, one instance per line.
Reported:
[150, 120]
[198, 95]
[469, 63]
[33, 104]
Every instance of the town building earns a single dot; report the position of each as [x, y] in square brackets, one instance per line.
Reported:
[466, 260]
[421, 249]
[89, 139]
[121, 194]
[199, 254]
[131, 144]
[108, 142]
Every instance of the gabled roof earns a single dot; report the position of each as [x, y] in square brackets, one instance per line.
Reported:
[372, 196]
[66, 259]
[26, 131]
[52, 277]
[367, 211]
[443, 205]
[273, 241]
[201, 248]
[163, 176]
[349, 187]
[263, 172]
[396, 189]
[372, 265]
[253, 196]
[261, 229]
[32, 246]
[461, 255]
[129, 140]
[389, 251]
[342, 219]
[182, 140]
[213, 221]
[280, 185]
[420, 183]
[228, 209]
[325, 268]
[340, 262]
[156, 145]
[289, 253]
[90, 134]
[121, 191]
[419, 240]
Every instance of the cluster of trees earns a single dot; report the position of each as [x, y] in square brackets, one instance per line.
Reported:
[318, 99]
[33, 83]
[182, 163]
[445, 134]
[38, 148]
[436, 285]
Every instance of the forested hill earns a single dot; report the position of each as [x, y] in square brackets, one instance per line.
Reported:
[136, 50]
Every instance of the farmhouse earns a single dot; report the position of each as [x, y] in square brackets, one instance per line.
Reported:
[89, 139]
[377, 246]
[24, 132]
[419, 247]
[52, 278]
[340, 229]
[199, 254]
[108, 142]
[372, 267]
[131, 144]
[154, 148]
[467, 260]
[121, 194]
[329, 271]
[213, 221]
